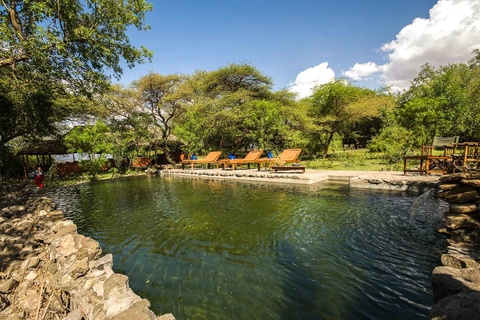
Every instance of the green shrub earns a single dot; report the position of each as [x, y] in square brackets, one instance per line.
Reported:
[393, 143]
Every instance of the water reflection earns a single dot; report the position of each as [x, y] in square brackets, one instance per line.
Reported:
[214, 249]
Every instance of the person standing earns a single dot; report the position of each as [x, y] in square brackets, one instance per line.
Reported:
[39, 177]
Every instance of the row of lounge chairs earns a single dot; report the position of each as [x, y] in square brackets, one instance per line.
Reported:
[253, 157]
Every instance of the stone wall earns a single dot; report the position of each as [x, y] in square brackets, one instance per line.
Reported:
[456, 284]
[49, 271]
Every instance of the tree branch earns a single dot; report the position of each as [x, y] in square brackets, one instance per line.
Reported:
[14, 21]
[12, 61]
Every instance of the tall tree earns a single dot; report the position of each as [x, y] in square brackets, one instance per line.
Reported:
[95, 141]
[163, 101]
[337, 107]
[443, 102]
[127, 120]
[234, 109]
[49, 48]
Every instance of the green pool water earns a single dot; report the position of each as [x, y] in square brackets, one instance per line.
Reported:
[214, 249]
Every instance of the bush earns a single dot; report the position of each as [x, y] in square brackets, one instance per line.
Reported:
[393, 142]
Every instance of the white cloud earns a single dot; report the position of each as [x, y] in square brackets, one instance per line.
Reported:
[449, 35]
[362, 70]
[312, 77]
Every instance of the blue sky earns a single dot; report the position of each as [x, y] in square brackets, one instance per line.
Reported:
[301, 43]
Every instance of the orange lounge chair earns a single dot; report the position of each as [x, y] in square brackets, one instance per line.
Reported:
[211, 158]
[250, 158]
[287, 156]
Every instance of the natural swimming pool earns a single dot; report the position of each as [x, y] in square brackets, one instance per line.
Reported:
[214, 249]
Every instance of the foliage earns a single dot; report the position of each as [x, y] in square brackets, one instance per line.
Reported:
[24, 114]
[127, 121]
[54, 49]
[10, 165]
[393, 142]
[339, 108]
[163, 101]
[443, 102]
[234, 109]
[95, 141]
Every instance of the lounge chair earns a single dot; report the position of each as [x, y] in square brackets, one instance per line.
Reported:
[287, 156]
[250, 158]
[211, 158]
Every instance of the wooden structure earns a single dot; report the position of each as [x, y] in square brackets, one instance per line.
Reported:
[463, 156]
[211, 158]
[287, 156]
[42, 151]
[250, 158]
[428, 164]
[141, 162]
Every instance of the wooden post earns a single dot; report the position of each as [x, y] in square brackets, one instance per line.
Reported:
[25, 169]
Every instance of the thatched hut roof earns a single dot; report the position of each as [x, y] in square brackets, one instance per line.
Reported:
[45, 147]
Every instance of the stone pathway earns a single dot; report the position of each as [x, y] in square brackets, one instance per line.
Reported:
[382, 180]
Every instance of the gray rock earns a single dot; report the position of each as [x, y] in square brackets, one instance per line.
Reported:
[71, 228]
[30, 301]
[138, 310]
[88, 248]
[7, 285]
[4, 303]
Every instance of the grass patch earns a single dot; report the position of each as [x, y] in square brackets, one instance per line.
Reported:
[358, 159]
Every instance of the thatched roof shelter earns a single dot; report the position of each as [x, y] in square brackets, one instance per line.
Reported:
[45, 147]
[41, 149]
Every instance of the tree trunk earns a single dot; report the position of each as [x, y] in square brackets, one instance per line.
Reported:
[166, 151]
[327, 144]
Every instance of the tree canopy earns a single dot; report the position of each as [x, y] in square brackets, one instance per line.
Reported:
[235, 109]
[338, 108]
[50, 49]
[443, 102]
[71, 40]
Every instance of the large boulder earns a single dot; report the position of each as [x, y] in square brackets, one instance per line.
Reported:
[447, 281]
[464, 305]
[459, 261]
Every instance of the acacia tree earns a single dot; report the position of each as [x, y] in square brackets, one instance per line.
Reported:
[337, 107]
[126, 118]
[163, 101]
[234, 109]
[51, 48]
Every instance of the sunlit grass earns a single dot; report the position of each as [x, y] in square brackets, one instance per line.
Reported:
[355, 159]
